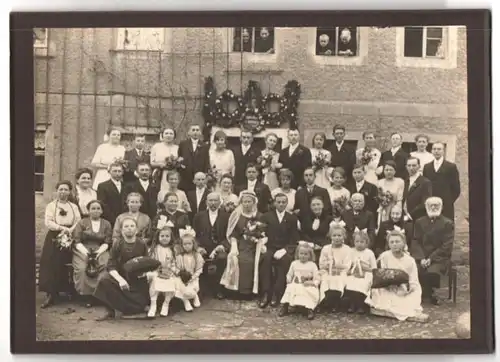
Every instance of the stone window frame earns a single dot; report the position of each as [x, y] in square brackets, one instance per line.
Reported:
[358, 60]
[164, 43]
[40, 149]
[448, 62]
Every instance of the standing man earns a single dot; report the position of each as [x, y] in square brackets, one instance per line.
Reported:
[197, 198]
[260, 189]
[367, 189]
[342, 155]
[146, 188]
[417, 190]
[396, 154]
[283, 234]
[445, 180]
[111, 193]
[305, 194]
[296, 158]
[195, 155]
[135, 156]
[244, 154]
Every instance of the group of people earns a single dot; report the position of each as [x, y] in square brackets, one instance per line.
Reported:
[247, 223]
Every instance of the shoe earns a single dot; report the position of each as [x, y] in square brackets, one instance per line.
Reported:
[283, 311]
[310, 314]
[152, 310]
[49, 301]
[434, 300]
[350, 310]
[264, 302]
[274, 302]
[220, 296]
[196, 302]
[187, 306]
[164, 310]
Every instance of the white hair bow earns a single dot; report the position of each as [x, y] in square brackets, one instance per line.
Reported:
[305, 243]
[188, 231]
[356, 230]
[340, 223]
[397, 228]
[164, 222]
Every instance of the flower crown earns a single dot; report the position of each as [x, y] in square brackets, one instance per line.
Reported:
[305, 243]
[187, 232]
[340, 223]
[397, 229]
[363, 231]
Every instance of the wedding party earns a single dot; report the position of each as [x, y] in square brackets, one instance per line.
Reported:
[231, 183]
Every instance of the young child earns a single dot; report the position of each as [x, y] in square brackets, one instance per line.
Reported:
[334, 261]
[398, 302]
[395, 221]
[164, 280]
[190, 264]
[302, 281]
[337, 191]
[359, 276]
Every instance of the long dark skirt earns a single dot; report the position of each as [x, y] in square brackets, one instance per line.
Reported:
[129, 302]
[430, 278]
[54, 276]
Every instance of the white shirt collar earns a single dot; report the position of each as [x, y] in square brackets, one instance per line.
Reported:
[360, 183]
[252, 183]
[280, 215]
[144, 183]
[210, 212]
[139, 151]
[116, 182]
[293, 148]
[200, 191]
[245, 147]
[414, 177]
[339, 145]
[438, 162]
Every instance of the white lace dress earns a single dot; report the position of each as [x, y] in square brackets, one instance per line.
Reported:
[296, 293]
[106, 154]
[355, 283]
[159, 152]
[333, 278]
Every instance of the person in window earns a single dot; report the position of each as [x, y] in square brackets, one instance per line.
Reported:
[107, 153]
[61, 217]
[264, 43]
[91, 235]
[83, 193]
[325, 47]
[421, 153]
[244, 42]
[346, 45]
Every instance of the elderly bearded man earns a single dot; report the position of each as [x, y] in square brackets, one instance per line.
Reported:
[432, 246]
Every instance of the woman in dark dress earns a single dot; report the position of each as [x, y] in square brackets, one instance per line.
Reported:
[170, 216]
[61, 217]
[92, 235]
[396, 221]
[119, 294]
[314, 225]
[241, 272]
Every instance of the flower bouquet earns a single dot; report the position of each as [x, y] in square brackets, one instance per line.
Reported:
[254, 230]
[339, 206]
[265, 161]
[63, 240]
[320, 161]
[229, 207]
[366, 156]
[212, 178]
[121, 161]
[384, 198]
[174, 163]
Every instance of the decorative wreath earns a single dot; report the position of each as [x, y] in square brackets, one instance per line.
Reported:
[228, 119]
[273, 119]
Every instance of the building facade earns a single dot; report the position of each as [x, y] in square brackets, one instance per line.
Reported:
[411, 80]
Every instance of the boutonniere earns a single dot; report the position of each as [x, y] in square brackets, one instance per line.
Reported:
[299, 151]
[62, 212]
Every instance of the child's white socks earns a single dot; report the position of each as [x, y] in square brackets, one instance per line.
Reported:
[196, 301]
[164, 307]
[187, 305]
[152, 309]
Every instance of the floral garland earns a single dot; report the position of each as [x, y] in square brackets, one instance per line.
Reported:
[228, 119]
[274, 119]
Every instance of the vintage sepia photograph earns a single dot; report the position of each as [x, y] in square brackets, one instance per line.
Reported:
[269, 183]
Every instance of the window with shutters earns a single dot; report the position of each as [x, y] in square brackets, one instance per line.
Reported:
[338, 45]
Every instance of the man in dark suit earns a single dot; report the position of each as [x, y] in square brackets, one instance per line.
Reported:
[135, 156]
[342, 155]
[195, 155]
[110, 193]
[367, 189]
[244, 154]
[304, 195]
[445, 180]
[197, 198]
[296, 158]
[396, 154]
[261, 190]
[431, 247]
[417, 190]
[283, 235]
[146, 188]
[360, 218]
[210, 225]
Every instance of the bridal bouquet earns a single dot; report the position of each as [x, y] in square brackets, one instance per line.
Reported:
[320, 161]
[265, 161]
[384, 198]
[366, 156]
[254, 230]
[212, 177]
[229, 207]
[174, 163]
[63, 240]
[339, 205]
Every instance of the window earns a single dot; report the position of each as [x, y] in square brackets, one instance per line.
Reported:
[141, 39]
[424, 42]
[254, 40]
[427, 46]
[40, 36]
[337, 41]
[39, 160]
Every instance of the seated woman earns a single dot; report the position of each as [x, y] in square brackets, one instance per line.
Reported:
[396, 221]
[285, 182]
[400, 302]
[119, 294]
[229, 199]
[170, 216]
[134, 202]
[173, 180]
[92, 239]
[314, 226]
[241, 274]
[61, 217]
[83, 190]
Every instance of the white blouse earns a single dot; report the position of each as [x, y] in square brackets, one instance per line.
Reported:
[53, 218]
[222, 161]
[160, 151]
[107, 153]
[424, 157]
[84, 197]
